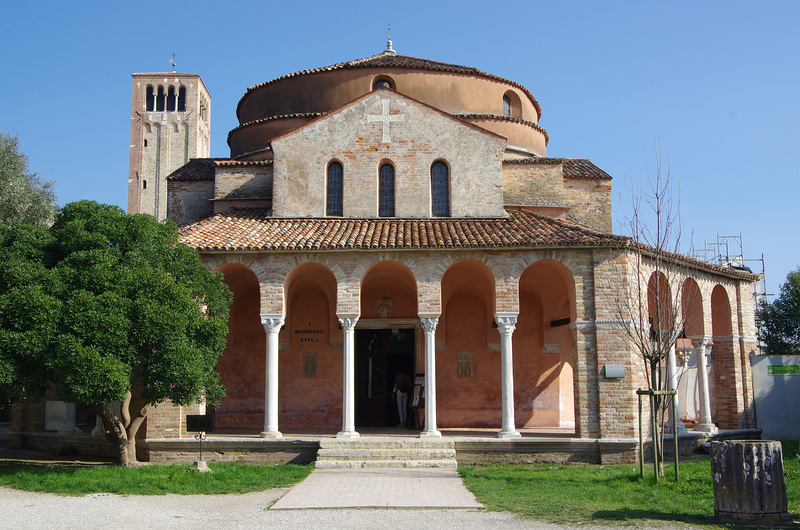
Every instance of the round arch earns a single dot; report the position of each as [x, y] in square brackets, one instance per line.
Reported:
[659, 302]
[692, 309]
[242, 365]
[310, 386]
[544, 353]
[467, 372]
[388, 290]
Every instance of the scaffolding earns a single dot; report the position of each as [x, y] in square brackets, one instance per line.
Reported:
[728, 251]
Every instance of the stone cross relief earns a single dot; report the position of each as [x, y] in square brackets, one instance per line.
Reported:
[385, 119]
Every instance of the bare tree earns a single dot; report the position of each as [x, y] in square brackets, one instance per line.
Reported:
[651, 316]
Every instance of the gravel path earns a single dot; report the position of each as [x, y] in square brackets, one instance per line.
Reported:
[22, 510]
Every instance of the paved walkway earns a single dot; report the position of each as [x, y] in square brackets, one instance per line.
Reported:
[379, 488]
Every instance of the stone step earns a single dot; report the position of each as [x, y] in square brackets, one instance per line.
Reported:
[387, 443]
[449, 463]
[382, 453]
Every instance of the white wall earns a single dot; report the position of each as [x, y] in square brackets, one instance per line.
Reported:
[777, 397]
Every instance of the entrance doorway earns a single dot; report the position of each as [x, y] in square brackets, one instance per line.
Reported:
[381, 354]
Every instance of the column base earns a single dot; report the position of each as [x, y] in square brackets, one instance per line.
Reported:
[509, 434]
[271, 434]
[430, 434]
[710, 428]
[348, 434]
[681, 428]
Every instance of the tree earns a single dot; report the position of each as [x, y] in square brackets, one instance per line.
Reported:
[653, 314]
[106, 307]
[24, 197]
[780, 320]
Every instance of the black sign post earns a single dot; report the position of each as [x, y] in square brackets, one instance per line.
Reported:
[201, 424]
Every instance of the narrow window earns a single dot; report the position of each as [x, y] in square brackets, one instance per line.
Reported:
[182, 99]
[150, 98]
[145, 142]
[160, 99]
[172, 99]
[144, 184]
[506, 106]
[335, 189]
[440, 190]
[386, 191]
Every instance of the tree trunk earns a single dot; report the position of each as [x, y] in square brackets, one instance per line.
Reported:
[122, 431]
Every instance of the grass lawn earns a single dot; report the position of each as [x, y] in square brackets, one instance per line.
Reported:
[149, 479]
[583, 493]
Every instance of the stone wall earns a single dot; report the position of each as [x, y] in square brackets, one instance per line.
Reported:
[416, 137]
[190, 201]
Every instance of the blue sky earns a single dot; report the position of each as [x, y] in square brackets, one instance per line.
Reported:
[716, 82]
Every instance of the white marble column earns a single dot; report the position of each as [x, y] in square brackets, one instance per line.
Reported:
[272, 325]
[429, 325]
[672, 384]
[506, 323]
[349, 382]
[705, 425]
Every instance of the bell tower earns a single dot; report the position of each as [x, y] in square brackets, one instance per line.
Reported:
[170, 123]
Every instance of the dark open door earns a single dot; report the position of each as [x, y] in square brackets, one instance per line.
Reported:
[380, 355]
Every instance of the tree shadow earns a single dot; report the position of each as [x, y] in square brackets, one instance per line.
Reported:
[632, 515]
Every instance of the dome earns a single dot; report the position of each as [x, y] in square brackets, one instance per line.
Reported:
[501, 106]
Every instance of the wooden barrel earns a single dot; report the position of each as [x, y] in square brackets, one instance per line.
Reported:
[749, 486]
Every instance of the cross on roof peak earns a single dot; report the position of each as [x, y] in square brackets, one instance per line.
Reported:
[389, 50]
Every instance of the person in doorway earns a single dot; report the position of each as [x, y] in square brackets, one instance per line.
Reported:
[402, 387]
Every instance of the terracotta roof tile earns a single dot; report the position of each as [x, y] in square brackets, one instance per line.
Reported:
[195, 169]
[576, 168]
[506, 118]
[249, 229]
[204, 168]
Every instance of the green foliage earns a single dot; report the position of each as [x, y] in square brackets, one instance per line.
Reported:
[103, 302]
[583, 494]
[148, 480]
[24, 197]
[780, 320]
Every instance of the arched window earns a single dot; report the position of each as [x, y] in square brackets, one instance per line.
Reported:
[171, 99]
[335, 189]
[182, 99]
[150, 98]
[382, 82]
[440, 190]
[386, 191]
[160, 99]
[511, 105]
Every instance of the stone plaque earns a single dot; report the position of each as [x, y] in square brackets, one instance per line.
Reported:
[552, 348]
[465, 364]
[309, 365]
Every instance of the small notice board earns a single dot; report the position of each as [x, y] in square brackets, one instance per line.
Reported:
[418, 396]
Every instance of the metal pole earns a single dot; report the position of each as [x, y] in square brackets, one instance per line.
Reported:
[653, 432]
[641, 443]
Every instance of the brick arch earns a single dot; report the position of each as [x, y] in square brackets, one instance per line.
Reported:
[564, 258]
[393, 279]
[482, 270]
[545, 353]
[451, 259]
[692, 309]
[403, 258]
[289, 264]
[216, 261]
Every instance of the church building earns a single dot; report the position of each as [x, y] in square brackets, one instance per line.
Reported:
[395, 215]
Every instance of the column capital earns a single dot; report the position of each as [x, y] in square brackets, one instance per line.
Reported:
[348, 322]
[699, 340]
[506, 322]
[272, 323]
[429, 323]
